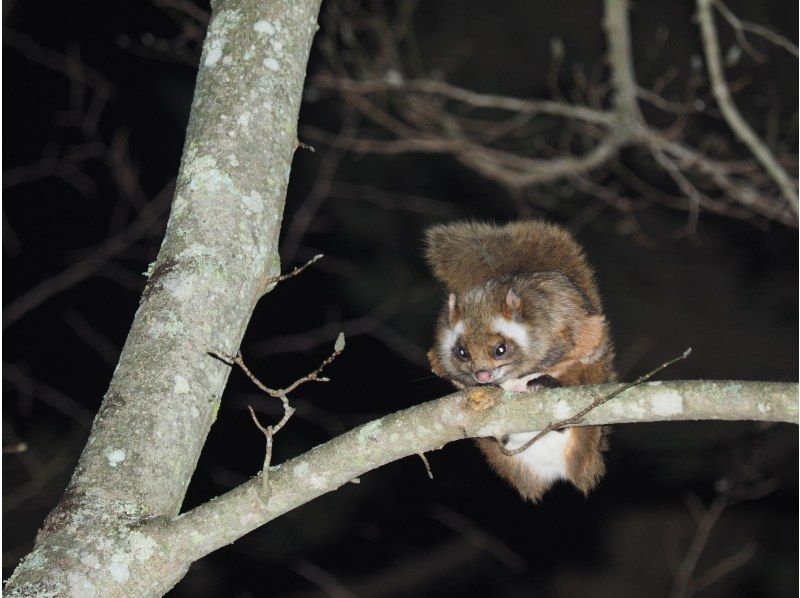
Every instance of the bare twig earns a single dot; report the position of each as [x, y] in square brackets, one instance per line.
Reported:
[706, 517]
[731, 113]
[480, 538]
[92, 337]
[322, 579]
[740, 27]
[295, 271]
[149, 217]
[268, 433]
[737, 560]
[282, 393]
[425, 114]
[465, 96]
[47, 395]
[578, 417]
[427, 465]
[15, 449]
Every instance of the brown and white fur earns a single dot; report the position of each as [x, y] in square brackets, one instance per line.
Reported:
[522, 306]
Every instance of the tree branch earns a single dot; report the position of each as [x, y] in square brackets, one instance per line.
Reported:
[731, 113]
[620, 58]
[480, 412]
[218, 256]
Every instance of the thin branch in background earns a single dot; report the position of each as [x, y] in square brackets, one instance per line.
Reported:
[733, 117]
[480, 538]
[185, 46]
[149, 217]
[302, 217]
[42, 473]
[83, 114]
[15, 448]
[685, 582]
[373, 323]
[92, 337]
[705, 518]
[741, 27]
[428, 115]
[728, 565]
[578, 417]
[322, 579]
[392, 200]
[61, 163]
[48, 395]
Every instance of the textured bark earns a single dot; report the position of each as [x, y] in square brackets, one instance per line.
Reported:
[220, 248]
[477, 413]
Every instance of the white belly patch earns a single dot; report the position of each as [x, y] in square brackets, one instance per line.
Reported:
[546, 457]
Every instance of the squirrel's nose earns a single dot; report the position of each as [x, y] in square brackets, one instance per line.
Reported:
[483, 375]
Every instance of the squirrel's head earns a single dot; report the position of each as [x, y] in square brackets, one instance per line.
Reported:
[507, 329]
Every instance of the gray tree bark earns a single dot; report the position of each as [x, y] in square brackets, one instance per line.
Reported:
[116, 531]
[219, 250]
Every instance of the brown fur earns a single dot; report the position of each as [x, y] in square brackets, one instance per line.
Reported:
[466, 254]
[535, 274]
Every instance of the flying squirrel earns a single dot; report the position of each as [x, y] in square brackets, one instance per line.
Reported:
[523, 312]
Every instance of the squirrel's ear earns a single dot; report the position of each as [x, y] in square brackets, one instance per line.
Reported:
[451, 307]
[512, 305]
[590, 340]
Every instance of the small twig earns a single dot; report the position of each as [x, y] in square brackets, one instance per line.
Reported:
[294, 272]
[685, 582]
[281, 393]
[479, 538]
[310, 148]
[578, 417]
[427, 465]
[18, 447]
[706, 519]
[741, 129]
[268, 434]
[725, 566]
[740, 26]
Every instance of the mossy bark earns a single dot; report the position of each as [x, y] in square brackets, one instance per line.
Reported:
[480, 412]
[219, 250]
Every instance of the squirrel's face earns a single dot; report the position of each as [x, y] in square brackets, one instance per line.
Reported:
[475, 353]
[490, 334]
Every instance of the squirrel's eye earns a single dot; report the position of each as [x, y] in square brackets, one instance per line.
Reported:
[500, 350]
[462, 353]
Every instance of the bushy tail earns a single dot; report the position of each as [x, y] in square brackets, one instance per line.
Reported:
[465, 254]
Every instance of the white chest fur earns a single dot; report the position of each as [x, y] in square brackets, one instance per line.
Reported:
[546, 458]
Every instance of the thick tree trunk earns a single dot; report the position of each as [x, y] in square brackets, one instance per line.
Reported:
[220, 248]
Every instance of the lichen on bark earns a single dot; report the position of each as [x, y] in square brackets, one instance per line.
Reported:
[219, 249]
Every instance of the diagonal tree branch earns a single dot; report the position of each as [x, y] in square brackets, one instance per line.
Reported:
[478, 413]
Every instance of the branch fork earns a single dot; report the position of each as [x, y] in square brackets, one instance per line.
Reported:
[281, 393]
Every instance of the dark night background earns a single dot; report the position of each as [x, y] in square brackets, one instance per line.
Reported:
[729, 290]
